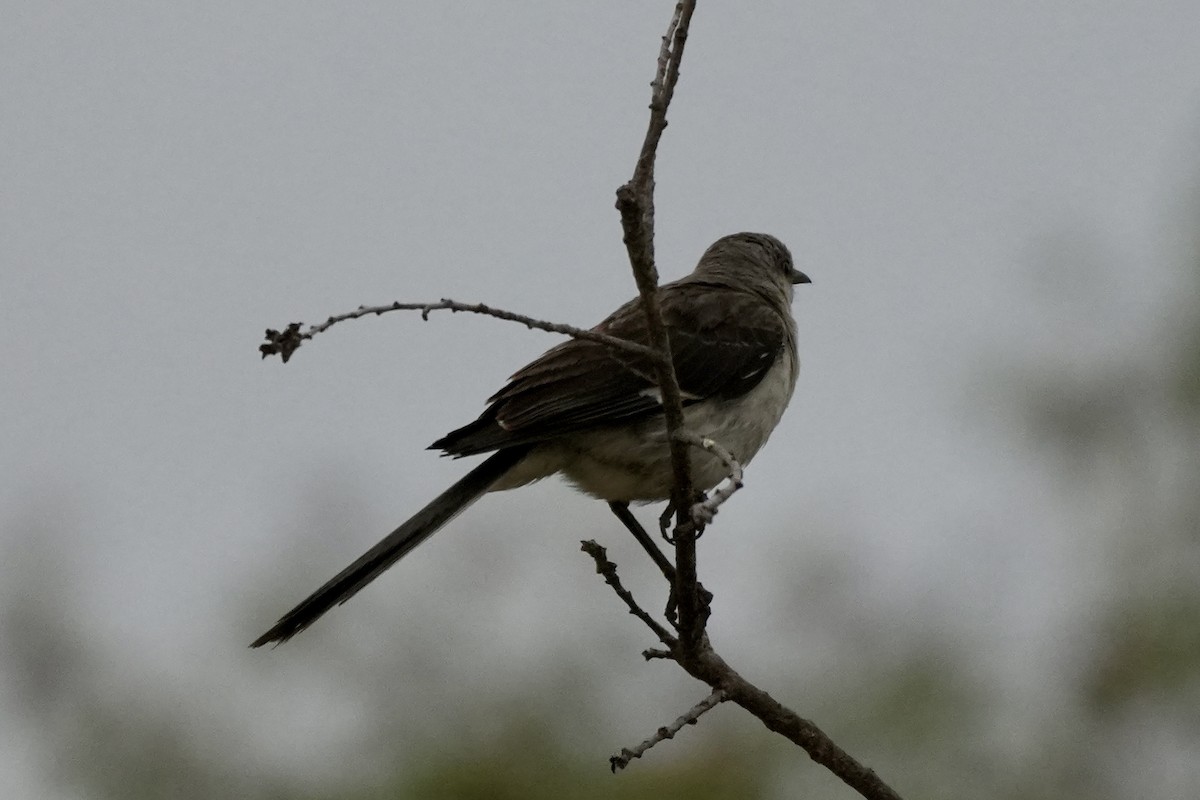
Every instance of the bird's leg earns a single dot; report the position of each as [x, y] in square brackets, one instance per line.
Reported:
[622, 512]
[664, 525]
[664, 522]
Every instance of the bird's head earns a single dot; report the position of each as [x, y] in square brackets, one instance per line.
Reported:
[751, 260]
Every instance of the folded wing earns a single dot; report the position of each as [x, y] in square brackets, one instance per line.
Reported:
[722, 342]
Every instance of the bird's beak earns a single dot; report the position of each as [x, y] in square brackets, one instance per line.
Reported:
[799, 277]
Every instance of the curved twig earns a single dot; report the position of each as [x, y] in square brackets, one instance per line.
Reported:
[704, 511]
[285, 342]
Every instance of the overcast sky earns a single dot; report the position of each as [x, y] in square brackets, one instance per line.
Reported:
[177, 177]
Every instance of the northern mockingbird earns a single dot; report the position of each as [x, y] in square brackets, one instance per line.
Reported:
[593, 414]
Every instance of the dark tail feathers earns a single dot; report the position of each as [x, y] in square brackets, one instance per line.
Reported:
[395, 545]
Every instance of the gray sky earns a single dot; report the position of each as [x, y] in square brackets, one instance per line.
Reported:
[178, 177]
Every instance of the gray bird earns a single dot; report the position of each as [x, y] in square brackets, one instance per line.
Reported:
[593, 415]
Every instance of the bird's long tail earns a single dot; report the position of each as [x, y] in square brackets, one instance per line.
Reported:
[397, 544]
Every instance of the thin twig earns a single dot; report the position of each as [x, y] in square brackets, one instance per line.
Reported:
[285, 342]
[704, 511]
[662, 88]
[609, 570]
[622, 759]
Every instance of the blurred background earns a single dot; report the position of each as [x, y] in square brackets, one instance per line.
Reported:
[970, 552]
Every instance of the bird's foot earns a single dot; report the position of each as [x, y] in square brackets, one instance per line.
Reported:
[701, 515]
[664, 523]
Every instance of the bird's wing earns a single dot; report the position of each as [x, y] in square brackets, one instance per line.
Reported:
[723, 341]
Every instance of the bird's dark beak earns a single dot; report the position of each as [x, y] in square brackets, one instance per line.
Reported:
[799, 277]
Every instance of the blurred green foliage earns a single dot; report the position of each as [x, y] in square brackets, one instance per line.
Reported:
[924, 717]
[529, 764]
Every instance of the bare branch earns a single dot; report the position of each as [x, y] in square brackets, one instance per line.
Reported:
[635, 202]
[622, 759]
[709, 667]
[284, 343]
[704, 511]
[662, 88]
[609, 570]
[705, 665]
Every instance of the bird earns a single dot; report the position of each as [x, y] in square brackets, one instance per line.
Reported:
[594, 414]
